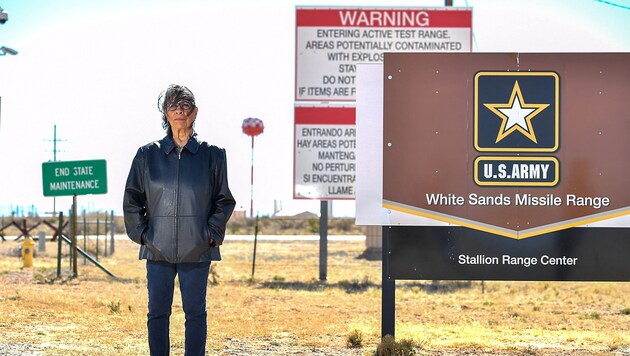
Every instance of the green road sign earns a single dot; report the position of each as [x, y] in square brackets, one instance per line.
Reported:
[74, 177]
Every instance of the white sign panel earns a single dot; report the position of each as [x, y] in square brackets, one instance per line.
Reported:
[331, 41]
[325, 160]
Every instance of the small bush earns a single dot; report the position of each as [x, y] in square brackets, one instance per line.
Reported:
[625, 311]
[593, 316]
[214, 275]
[114, 307]
[391, 347]
[313, 225]
[355, 339]
[356, 285]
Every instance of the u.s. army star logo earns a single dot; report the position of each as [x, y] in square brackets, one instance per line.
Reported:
[516, 115]
[516, 111]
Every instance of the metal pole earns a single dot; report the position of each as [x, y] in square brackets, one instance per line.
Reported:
[59, 233]
[251, 203]
[105, 236]
[75, 272]
[112, 231]
[388, 297]
[97, 233]
[84, 236]
[70, 217]
[323, 241]
[55, 160]
[255, 243]
[90, 258]
[55, 144]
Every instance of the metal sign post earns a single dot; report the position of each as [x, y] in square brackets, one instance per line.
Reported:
[59, 232]
[323, 241]
[75, 272]
[388, 290]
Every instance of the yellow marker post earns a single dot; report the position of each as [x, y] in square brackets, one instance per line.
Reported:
[27, 251]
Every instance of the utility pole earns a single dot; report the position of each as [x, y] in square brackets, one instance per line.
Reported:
[54, 151]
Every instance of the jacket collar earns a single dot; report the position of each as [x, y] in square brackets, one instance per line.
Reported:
[168, 144]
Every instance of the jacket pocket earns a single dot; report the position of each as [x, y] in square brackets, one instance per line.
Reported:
[194, 240]
[155, 240]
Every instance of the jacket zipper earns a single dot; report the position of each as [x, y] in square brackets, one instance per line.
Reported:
[179, 157]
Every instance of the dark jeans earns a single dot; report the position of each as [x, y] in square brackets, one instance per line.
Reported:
[193, 280]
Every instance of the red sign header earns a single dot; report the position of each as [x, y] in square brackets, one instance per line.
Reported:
[390, 18]
[325, 116]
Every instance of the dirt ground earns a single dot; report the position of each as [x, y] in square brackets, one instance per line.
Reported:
[286, 310]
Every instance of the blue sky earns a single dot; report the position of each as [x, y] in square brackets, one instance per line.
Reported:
[95, 69]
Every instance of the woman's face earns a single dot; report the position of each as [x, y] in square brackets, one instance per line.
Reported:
[180, 116]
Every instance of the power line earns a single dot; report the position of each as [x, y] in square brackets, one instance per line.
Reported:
[473, 34]
[614, 4]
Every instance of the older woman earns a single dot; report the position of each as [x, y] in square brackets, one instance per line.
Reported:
[176, 206]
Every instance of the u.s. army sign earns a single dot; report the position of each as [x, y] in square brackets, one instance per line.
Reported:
[512, 147]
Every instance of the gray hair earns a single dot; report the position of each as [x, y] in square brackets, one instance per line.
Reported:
[173, 94]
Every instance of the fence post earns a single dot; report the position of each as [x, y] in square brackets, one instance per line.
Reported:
[59, 233]
[42, 241]
[105, 236]
[97, 233]
[71, 219]
[112, 231]
[85, 231]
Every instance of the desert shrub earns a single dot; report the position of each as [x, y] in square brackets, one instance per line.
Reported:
[114, 307]
[592, 316]
[625, 311]
[345, 225]
[214, 274]
[313, 225]
[355, 339]
[356, 285]
[390, 347]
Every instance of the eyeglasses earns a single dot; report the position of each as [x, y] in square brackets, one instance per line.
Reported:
[184, 105]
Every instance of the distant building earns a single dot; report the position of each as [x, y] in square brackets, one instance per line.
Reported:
[239, 214]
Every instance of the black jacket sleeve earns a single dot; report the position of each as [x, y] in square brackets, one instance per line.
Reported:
[134, 201]
[223, 201]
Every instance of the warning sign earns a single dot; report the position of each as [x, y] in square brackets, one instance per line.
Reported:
[325, 146]
[331, 41]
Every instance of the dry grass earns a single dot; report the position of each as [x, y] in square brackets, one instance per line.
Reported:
[287, 310]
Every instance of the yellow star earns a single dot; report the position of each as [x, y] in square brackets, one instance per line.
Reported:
[516, 115]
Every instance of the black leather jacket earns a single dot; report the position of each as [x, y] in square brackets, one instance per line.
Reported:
[177, 205]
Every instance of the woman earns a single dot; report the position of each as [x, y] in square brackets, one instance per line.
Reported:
[176, 205]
